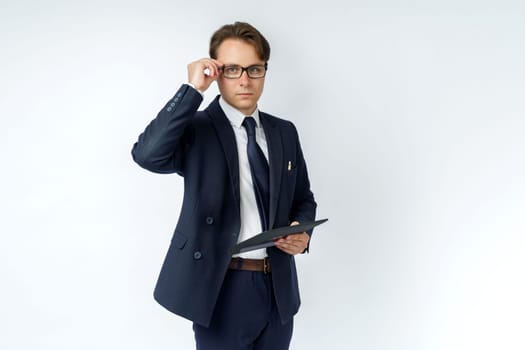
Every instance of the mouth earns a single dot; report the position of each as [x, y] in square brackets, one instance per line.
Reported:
[244, 94]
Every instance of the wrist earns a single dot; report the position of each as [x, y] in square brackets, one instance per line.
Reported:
[195, 88]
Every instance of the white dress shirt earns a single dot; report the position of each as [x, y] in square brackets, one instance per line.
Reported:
[250, 219]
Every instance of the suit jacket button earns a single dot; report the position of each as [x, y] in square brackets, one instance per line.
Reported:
[197, 255]
[209, 220]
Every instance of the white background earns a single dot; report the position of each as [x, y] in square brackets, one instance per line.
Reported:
[412, 120]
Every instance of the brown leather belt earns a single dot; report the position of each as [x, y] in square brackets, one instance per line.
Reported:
[262, 265]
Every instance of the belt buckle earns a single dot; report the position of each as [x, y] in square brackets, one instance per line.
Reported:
[266, 266]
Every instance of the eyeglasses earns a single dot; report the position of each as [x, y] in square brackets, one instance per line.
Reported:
[256, 71]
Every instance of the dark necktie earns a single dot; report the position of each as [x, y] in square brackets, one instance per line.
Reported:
[260, 174]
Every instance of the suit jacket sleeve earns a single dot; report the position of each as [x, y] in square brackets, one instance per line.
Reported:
[161, 147]
[303, 205]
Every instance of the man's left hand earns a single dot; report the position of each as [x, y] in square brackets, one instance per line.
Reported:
[293, 244]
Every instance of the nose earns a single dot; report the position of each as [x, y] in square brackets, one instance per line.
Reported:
[244, 79]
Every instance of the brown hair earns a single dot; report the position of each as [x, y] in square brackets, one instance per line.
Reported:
[242, 31]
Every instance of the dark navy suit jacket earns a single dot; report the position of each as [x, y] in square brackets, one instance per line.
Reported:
[201, 147]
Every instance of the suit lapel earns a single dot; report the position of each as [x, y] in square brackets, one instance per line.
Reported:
[275, 155]
[229, 145]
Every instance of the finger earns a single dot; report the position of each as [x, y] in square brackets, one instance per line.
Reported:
[286, 250]
[297, 239]
[217, 64]
[207, 69]
[205, 66]
[211, 66]
[290, 248]
[214, 66]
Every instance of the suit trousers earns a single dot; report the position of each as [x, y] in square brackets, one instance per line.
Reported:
[245, 316]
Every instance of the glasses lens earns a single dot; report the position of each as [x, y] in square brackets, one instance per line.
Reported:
[256, 71]
[232, 71]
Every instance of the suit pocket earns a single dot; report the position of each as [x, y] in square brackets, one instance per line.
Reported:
[179, 240]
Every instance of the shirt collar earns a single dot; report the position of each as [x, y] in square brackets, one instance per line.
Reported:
[235, 116]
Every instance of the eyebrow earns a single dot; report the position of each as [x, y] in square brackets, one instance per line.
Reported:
[239, 65]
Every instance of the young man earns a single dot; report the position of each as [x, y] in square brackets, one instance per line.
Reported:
[244, 172]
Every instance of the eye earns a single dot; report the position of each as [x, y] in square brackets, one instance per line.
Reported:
[255, 69]
[231, 69]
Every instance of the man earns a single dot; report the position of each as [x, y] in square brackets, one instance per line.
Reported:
[244, 172]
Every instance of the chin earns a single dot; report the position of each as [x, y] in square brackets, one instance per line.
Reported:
[245, 104]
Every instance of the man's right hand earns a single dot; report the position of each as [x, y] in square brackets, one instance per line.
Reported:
[203, 72]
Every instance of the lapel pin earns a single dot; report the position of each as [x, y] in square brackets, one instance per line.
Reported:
[289, 165]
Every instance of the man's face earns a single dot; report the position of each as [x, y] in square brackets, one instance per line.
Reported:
[244, 92]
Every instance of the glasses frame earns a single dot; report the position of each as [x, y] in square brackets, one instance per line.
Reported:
[245, 69]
